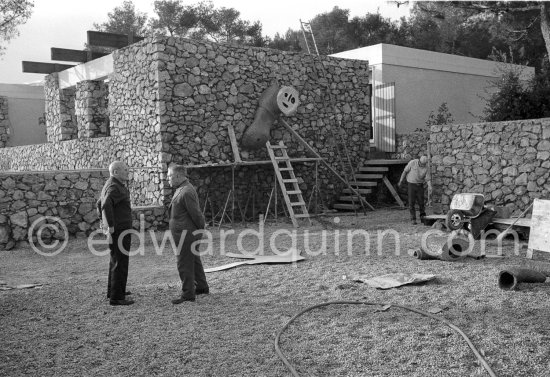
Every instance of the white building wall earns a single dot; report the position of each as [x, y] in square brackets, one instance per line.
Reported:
[26, 105]
[425, 79]
[421, 91]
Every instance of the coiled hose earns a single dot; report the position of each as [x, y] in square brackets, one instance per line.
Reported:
[421, 312]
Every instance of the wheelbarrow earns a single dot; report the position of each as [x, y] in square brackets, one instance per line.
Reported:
[463, 208]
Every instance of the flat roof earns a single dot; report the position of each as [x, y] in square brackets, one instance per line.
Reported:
[387, 54]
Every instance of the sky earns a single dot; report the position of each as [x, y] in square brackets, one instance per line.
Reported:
[63, 24]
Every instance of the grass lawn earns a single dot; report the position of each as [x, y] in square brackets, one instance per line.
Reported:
[68, 328]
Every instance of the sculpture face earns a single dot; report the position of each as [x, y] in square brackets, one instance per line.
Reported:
[287, 100]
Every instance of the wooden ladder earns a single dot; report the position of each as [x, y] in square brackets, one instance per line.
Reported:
[290, 179]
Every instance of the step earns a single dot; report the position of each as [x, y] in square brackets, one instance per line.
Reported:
[363, 184]
[278, 146]
[293, 192]
[282, 158]
[369, 176]
[349, 198]
[285, 169]
[347, 206]
[373, 169]
[386, 162]
[302, 215]
[360, 191]
[292, 180]
[296, 204]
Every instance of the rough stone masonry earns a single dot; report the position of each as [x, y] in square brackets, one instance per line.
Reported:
[171, 101]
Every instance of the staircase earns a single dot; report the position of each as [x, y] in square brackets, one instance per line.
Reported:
[367, 178]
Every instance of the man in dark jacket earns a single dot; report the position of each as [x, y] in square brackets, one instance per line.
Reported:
[116, 217]
[185, 218]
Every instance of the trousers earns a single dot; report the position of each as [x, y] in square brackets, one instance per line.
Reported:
[416, 196]
[189, 263]
[118, 266]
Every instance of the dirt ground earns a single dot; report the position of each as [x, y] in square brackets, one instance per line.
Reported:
[68, 328]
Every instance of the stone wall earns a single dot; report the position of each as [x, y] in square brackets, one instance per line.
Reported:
[60, 110]
[171, 101]
[508, 162]
[134, 124]
[68, 195]
[65, 155]
[91, 109]
[411, 146]
[134, 103]
[205, 87]
[4, 122]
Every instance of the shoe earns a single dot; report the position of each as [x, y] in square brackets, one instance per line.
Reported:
[205, 291]
[177, 301]
[121, 302]
[125, 293]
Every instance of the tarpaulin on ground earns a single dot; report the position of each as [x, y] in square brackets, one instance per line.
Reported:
[393, 280]
[291, 256]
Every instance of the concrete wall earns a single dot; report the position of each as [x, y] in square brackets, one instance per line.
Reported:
[25, 110]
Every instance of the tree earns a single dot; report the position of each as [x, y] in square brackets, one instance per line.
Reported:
[521, 27]
[225, 25]
[515, 99]
[124, 20]
[509, 100]
[443, 116]
[331, 31]
[174, 19]
[539, 95]
[372, 29]
[289, 42]
[13, 13]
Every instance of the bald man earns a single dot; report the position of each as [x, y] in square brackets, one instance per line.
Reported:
[116, 213]
[416, 172]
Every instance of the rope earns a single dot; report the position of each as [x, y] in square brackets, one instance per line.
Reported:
[421, 312]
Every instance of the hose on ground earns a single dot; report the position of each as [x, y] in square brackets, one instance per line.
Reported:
[421, 312]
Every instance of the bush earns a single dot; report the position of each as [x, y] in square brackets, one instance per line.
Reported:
[443, 116]
[514, 100]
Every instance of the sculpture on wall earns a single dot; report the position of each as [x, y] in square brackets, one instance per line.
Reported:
[273, 101]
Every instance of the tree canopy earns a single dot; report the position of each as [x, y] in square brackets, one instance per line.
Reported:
[199, 21]
[13, 13]
[511, 31]
[173, 18]
[124, 19]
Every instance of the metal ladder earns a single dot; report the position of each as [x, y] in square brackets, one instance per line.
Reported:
[285, 176]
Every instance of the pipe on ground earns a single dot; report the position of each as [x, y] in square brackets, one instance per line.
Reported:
[456, 249]
[510, 278]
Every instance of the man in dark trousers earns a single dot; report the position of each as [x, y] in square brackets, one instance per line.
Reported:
[417, 174]
[185, 218]
[116, 217]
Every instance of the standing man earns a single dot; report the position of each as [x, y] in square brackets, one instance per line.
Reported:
[116, 217]
[417, 173]
[185, 218]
